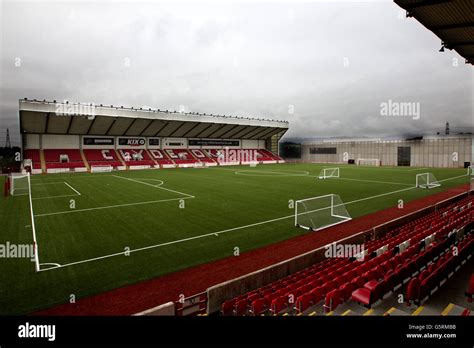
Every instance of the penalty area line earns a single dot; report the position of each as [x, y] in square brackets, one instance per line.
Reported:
[72, 188]
[158, 187]
[112, 206]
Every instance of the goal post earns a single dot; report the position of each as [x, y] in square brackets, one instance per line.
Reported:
[200, 164]
[329, 173]
[368, 162]
[426, 180]
[320, 212]
[19, 184]
[101, 169]
[470, 170]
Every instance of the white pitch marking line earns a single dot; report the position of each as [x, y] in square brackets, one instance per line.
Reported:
[111, 206]
[49, 183]
[50, 197]
[55, 265]
[228, 230]
[72, 188]
[158, 187]
[376, 181]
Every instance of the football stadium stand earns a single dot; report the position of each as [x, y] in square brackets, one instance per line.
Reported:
[34, 155]
[59, 137]
[422, 254]
[103, 157]
[64, 158]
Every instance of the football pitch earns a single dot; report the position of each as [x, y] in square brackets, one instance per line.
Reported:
[97, 232]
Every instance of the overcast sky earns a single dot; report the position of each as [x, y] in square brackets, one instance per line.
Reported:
[326, 67]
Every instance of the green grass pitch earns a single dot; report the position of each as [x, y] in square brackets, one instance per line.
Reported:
[170, 220]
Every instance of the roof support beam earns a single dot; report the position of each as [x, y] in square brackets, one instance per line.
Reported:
[144, 129]
[185, 135]
[110, 127]
[229, 133]
[265, 134]
[177, 129]
[69, 125]
[205, 129]
[161, 128]
[46, 124]
[216, 131]
[90, 127]
[249, 132]
[129, 126]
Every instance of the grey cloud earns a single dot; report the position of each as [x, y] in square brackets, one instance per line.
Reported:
[236, 59]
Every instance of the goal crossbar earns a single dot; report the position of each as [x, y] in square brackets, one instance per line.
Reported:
[426, 180]
[329, 173]
[368, 162]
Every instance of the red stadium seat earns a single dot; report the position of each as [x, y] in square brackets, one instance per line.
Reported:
[279, 304]
[258, 306]
[413, 291]
[303, 302]
[333, 299]
[240, 307]
[227, 307]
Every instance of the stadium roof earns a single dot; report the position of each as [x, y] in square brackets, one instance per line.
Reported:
[46, 117]
[451, 20]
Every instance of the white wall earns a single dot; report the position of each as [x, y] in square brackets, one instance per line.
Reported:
[52, 141]
[429, 152]
[32, 141]
[250, 144]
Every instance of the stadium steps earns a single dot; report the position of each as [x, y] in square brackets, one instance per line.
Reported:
[209, 156]
[43, 161]
[120, 158]
[455, 310]
[193, 156]
[395, 312]
[84, 159]
[151, 157]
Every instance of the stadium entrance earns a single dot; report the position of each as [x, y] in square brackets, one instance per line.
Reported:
[404, 154]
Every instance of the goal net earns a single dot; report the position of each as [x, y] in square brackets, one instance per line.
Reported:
[101, 169]
[200, 165]
[368, 162]
[426, 180]
[19, 184]
[329, 173]
[320, 212]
